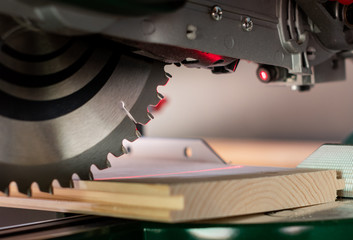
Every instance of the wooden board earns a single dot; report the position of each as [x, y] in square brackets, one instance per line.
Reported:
[338, 210]
[159, 181]
[189, 195]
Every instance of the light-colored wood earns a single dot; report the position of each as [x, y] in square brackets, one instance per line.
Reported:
[254, 195]
[228, 191]
[95, 195]
[338, 210]
[273, 153]
[86, 208]
[194, 189]
[134, 200]
[116, 187]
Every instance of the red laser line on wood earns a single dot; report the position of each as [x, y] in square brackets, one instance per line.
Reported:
[173, 173]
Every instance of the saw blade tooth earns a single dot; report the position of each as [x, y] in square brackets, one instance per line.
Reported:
[161, 78]
[101, 165]
[34, 186]
[160, 96]
[138, 133]
[157, 99]
[168, 75]
[123, 148]
[88, 175]
[55, 184]
[12, 189]
[84, 175]
[65, 183]
[108, 164]
[150, 115]
[24, 188]
[43, 187]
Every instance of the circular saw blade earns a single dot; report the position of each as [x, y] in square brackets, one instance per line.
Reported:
[65, 103]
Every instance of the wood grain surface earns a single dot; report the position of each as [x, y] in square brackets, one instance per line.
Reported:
[253, 190]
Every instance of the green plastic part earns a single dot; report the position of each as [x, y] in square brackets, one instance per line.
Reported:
[348, 140]
[329, 229]
[105, 228]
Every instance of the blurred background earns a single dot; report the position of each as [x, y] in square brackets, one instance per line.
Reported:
[238, 105]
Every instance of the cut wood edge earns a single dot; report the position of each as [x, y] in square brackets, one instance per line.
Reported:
[279, 216]
[87, 208]
[161, 202]
[340, 184]
[117, 187]
[76, 195]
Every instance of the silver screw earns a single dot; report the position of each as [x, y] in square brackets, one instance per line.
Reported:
[217, 13]
[247, 24]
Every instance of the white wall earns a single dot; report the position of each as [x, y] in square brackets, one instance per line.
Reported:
[201, 104]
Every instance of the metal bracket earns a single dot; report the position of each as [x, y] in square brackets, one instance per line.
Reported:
[154, 152]
[196, 150]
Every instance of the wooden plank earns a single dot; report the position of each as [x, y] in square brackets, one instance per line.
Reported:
[116, 187]
[227, 191]
[254, 195]
[186, 189]
[338, 210]
[175, 202]
[86, 208]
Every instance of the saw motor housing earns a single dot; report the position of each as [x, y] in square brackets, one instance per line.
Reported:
[308, 40]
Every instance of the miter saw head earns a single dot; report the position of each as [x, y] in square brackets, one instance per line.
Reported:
[77, 76]
[66, 102]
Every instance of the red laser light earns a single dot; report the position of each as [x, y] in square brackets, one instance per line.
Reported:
[264, 75]
[208, 56]
[160, 104]
[172, 173]
[344, 2]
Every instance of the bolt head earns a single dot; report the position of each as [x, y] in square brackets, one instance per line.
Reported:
[217, 13]
[247, 24]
